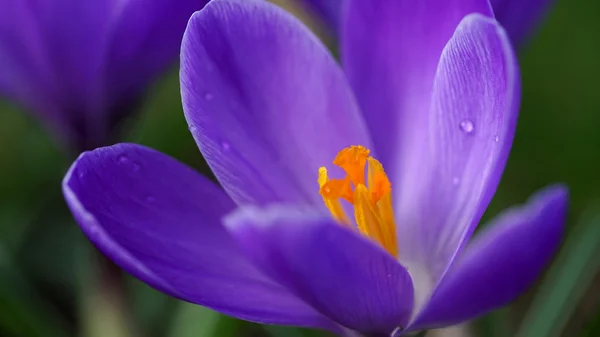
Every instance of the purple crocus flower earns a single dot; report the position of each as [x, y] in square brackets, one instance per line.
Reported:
[426, 104]
[80, 66]
[518, 17]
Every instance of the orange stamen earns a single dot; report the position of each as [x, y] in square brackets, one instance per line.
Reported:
[372, 202]
[353, 160]
[332, 203]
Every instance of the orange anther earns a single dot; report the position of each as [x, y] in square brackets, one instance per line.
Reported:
[353, 160]
[372, 203]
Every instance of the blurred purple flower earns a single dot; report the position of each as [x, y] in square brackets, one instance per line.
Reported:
[81, 66]
[433, 95]
[518, 17]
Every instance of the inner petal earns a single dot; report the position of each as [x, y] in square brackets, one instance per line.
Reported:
[372, 201]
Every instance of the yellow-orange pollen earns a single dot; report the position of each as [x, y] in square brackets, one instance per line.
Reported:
[372, 201]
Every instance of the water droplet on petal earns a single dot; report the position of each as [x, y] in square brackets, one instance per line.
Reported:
[80, 174]
[94, 233]
[496, 139]
[136, 166]
[467, 126]
[455, 181]
[122, 159]
[208, 96]
[225, 146]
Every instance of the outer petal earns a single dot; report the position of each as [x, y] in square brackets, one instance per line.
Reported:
[21, 55]
[519, 17]
[160, 221]
[390, 52]
[470, 131]
[81, 65]
[146, 39]
[501, 263]
[72, 39]
[28, 69]
[75, 37]
[265, 101]
[339, 272]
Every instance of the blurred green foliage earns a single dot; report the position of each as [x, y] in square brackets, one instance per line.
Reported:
[567, 279]
[47, 267]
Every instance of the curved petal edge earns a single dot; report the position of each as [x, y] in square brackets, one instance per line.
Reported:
[342, 274]
[265, 101]
[501, 262]
[161, 221]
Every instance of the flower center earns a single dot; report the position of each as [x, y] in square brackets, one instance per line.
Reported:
[372, 201]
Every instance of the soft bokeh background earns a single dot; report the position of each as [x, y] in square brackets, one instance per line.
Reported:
[49, 284]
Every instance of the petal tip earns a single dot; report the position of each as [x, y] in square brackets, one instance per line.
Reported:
[555, 195]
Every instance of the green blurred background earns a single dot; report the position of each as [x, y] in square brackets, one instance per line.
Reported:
[49, 281]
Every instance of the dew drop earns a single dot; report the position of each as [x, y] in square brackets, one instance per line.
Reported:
[80, 174]
[455, 181]
[122, 159]
[467, 126]
[136, 167]
[94, 233]
[208, 96]
[225, 146]
[496, 139]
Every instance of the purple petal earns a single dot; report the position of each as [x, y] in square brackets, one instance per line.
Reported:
[266, 102]
[502, 262]
[339, 272]
[21, 54]
[147, 39]
[27, 65]
[519, 17]
[390, 51]
[328, 11]
[74, 34]
[160, 221]
[81, 65]
[516, 16]
[469, 134]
